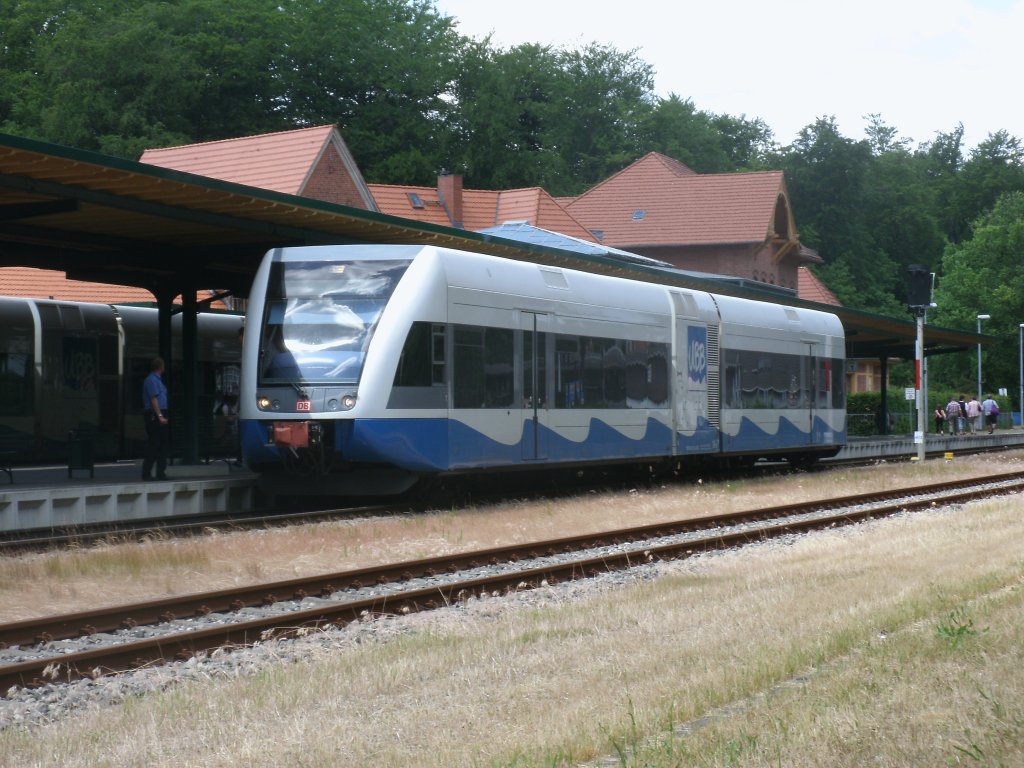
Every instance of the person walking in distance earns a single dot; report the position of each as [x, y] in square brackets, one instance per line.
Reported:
[990, 409]
[974, 415]
[953, 416]
[154, 404]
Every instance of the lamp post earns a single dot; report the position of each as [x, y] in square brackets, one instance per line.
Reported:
[1020, 371]
[980, 318]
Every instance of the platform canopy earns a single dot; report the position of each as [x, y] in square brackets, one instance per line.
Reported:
[105, 219]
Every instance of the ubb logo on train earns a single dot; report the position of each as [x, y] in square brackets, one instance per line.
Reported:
[697, 353]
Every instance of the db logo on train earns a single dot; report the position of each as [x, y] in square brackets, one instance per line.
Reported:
[697, 353]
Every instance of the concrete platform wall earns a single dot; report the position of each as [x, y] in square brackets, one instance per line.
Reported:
[69, 505]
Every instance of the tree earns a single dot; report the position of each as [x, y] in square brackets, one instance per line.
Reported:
[123, 76]
[534, 115]
[383, 71]
[705, 142]
[828, 177]
[943, 158]
[747, 143]
[884, 138]
[900, 204]
[24, 27]
[120, 77]
[505, 102]
[604, 95]
[984, 274]
[995, 166]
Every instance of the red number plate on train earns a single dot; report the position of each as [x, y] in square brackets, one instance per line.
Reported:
[303, 405]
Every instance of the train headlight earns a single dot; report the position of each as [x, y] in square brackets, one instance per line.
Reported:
[263, 402]
[348, 402]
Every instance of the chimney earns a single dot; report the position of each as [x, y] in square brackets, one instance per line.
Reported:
[449, 189]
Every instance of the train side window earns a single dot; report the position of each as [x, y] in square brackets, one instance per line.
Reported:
[16, 391]
[569, 392]
[731, 392]
[17, 364]
[437, 354]
[636, 374]
[593, 380]
[613, 370]
[657, 377]
[484, 369]
[469, 367]
[422, 361]
[499, 367]
[610, 373]
[755, 380]
[838, 383]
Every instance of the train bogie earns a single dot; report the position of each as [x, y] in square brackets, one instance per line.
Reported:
[434, 361]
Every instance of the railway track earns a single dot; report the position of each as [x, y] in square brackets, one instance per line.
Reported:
[94, 643]
[45, 539]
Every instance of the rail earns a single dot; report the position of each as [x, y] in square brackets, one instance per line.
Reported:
[353, 595]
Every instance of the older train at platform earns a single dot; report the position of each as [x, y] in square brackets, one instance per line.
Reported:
[77, 368]
[368, 367]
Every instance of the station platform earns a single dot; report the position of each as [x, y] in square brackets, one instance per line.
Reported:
[904, 447]
[47, 498]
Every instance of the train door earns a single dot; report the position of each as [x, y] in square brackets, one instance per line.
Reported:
[534, 386]
[811, 390]
[696, 397]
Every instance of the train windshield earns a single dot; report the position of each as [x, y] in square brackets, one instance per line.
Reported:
[320, 317]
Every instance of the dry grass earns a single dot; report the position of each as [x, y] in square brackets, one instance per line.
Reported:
[111, 573]
[905, 633]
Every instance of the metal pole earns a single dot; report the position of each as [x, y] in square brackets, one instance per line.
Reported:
[922, 425]
[980, 318]
[924, 376]
[1020, 371]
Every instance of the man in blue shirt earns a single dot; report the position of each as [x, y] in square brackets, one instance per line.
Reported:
[154, 404]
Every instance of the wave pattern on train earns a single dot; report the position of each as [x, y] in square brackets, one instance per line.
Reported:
[75, 367]
[376, 365]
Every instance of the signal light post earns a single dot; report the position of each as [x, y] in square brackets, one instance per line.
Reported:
[919, 298]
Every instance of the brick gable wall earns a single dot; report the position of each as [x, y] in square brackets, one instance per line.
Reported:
[330, 181]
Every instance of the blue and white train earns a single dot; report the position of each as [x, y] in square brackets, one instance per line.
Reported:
[371, 366]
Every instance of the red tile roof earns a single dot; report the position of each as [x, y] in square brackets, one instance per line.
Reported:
[480, 208]
[31, 283]
[659, 201]
[810, 288]
[399, 201]
[281, 162]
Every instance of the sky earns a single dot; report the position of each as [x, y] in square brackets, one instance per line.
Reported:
[923, 65]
